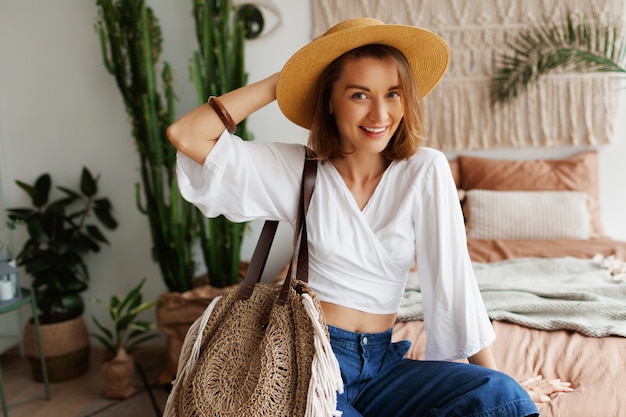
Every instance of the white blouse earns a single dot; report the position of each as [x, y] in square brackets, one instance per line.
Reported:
[358, 258]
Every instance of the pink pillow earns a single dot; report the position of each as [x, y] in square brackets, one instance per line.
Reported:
[576, 173]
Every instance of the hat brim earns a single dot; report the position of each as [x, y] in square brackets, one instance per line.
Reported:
[427, 54]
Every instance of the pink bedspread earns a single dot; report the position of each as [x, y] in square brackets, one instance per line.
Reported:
[596, 367]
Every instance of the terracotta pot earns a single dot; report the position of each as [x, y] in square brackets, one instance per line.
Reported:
[119, 376]
[65, 346]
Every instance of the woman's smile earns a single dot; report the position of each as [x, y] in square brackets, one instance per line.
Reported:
[375, 131]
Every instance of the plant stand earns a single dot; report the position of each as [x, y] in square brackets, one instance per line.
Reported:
[27, 297]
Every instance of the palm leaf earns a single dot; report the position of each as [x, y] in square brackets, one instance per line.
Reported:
[572, 46]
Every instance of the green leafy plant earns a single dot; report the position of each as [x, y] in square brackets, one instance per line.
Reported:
[127, 332]
[572, 45]
[60, 234]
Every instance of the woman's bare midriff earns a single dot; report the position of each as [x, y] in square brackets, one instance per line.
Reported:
[355, 320]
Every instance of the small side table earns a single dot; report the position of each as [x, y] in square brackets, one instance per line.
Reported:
[27, 298]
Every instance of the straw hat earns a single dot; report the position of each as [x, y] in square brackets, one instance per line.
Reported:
[427, 54]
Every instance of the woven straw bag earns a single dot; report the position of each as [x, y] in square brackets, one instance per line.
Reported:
[263, 350]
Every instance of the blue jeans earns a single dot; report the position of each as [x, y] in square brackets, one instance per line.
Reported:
[380, 382]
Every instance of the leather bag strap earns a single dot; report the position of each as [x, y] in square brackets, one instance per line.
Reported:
[262, 250]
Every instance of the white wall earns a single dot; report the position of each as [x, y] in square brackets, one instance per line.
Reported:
[60, 109]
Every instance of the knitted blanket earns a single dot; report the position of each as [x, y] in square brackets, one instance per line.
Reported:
[547, 294]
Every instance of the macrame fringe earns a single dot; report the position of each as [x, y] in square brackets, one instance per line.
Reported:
[189, 355]
[470, 122]
[325, 376]
[616, 266]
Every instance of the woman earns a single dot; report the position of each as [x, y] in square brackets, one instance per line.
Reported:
[382, 203]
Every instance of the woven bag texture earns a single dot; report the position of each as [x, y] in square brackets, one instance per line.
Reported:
[246, 369]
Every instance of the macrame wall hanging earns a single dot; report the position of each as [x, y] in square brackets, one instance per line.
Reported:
[560, 109]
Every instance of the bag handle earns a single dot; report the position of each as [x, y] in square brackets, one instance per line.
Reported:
[262, 250]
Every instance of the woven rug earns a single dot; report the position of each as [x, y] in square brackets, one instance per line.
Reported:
[149, 399]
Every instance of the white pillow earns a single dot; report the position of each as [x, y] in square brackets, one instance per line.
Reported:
[528, 215]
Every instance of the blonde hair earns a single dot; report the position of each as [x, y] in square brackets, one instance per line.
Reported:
[324, 136]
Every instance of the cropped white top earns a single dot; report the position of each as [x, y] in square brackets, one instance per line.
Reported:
[358, 258]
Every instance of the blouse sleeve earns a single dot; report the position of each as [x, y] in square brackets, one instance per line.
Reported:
[244, 180]
[455, 318]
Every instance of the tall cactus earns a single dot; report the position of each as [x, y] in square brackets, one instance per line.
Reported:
[218, 67]
[130, 38]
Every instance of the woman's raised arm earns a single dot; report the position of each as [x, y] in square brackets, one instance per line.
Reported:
[196, 133]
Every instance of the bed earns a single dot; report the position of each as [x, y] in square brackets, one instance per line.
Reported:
[554, 283]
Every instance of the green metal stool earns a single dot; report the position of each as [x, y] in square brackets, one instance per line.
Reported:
[27, 298]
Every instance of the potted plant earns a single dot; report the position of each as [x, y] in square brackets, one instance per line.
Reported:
[120, 341]
[60, 234]
[583, 45]
[131, 40]
[218, 66]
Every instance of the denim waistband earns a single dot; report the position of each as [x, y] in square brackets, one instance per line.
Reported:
[354, 339]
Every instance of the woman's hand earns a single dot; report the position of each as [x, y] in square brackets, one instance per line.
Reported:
[543, 390]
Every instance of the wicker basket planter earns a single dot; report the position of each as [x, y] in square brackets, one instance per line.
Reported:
[66, 348]
[176, 312]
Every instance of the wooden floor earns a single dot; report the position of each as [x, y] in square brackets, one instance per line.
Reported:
[26, 397]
